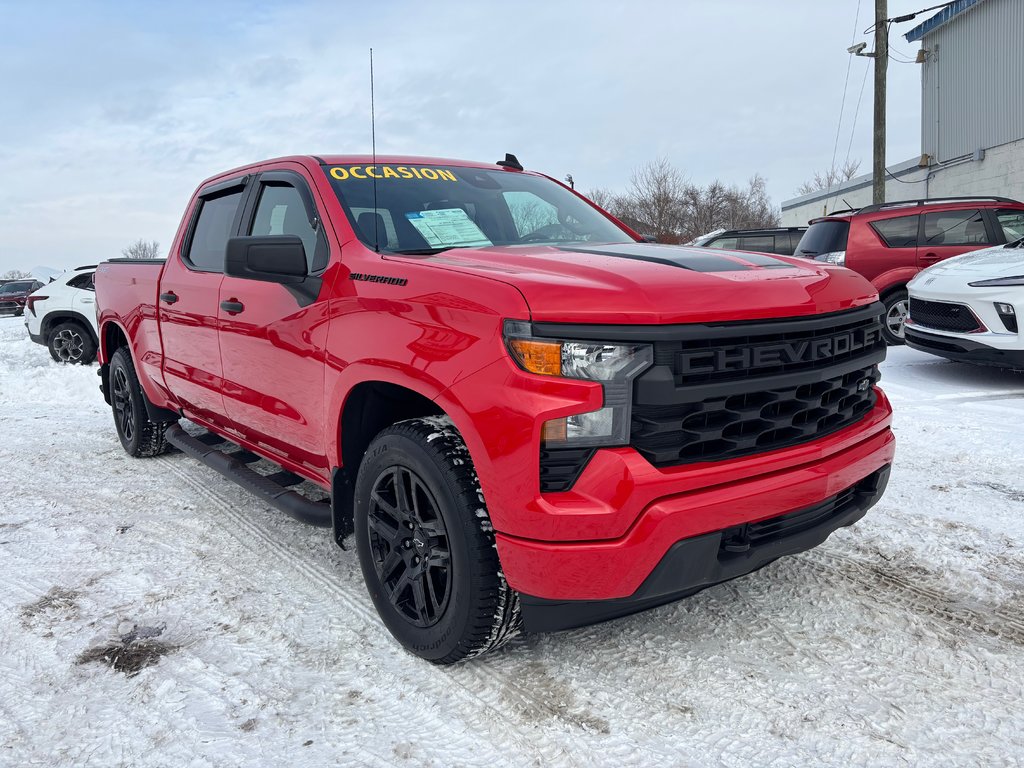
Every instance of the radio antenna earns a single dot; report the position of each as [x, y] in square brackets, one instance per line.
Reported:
[373, 150]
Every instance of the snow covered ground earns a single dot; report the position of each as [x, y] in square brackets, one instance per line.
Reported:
[898, 642]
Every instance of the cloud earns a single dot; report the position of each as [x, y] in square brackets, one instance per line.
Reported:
[115, 112]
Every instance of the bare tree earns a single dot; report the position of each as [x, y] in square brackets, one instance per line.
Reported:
[653, 204]
[602, 198]
[15, 274]
[833, 177]
[142, 249]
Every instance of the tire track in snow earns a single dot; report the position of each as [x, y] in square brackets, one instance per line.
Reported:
[994, 621]
[268, 544]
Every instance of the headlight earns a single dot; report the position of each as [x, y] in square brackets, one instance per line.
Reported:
[997, 281]
[613, 365]
[832, 257]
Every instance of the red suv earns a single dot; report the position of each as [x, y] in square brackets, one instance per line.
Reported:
[889, 243]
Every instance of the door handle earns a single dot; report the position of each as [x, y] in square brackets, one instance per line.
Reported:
[931, 258]
[232, 307]
[88, 301]
[169, 298]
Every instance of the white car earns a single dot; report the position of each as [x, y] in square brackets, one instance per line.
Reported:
[966, 308]
[62, 316]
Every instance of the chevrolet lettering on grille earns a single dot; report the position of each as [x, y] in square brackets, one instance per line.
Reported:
[746, 357]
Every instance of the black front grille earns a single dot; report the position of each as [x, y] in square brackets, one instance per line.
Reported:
[943, 316]
[720, 392]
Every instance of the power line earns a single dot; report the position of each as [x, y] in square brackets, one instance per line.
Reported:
[846, 83]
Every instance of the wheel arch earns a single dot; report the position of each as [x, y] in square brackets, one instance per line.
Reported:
[368, 408]
[56, 317]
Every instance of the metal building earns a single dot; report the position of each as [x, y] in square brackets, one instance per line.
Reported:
[972, 113]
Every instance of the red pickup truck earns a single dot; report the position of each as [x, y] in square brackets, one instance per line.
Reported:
[528, 417]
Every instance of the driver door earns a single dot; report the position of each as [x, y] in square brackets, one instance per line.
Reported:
[272, 340]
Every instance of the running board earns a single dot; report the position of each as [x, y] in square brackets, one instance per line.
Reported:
[273, 493]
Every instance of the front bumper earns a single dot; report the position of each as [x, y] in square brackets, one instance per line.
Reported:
[963, 350]
[681, 504]
[703, 561]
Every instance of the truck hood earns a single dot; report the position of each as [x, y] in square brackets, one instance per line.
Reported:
[997, 261]
[645, 283]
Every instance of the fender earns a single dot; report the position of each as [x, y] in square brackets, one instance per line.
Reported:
[59, 315]
[361, 372]
[158, 402]
[894, 278]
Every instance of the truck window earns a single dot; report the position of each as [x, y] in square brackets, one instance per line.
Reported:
[759, 243]
[900, 232]
[529, 212]
[725, 243]
[281, 212]
[213, 228]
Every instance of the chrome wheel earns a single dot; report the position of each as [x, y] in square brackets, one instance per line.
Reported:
[896, 318]
[69, 346]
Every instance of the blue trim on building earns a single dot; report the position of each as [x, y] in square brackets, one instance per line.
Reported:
[939, 19]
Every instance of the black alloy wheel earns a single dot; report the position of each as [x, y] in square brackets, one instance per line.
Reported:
[140, 437]
[409, 542]
[426, 545]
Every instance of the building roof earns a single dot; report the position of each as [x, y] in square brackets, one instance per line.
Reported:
[940, 18]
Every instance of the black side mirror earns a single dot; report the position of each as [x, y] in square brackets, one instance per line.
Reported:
[648, 239]
[273, 259]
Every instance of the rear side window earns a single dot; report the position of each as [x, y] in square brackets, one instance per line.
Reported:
[762, 244]
[955, 228]
[85, 282]
[900, 232]
[213, 228]
[1012, 224]
[824, 237]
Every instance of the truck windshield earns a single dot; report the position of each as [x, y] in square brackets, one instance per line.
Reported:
[431, 208]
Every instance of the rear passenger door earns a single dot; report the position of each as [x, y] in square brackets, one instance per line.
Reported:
[899, 236]
[272, 340]
[188, 302]
[950, 233]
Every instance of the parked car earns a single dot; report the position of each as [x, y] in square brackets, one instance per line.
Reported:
[967, 307]
[62, 316]
[13, 295]
[891, 242]
[780, 240]
[499, 387]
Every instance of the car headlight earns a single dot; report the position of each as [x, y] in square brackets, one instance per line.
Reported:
[832, 257]
[997, 281]
[613, 365]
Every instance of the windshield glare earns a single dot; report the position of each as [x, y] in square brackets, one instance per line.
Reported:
[426, 209]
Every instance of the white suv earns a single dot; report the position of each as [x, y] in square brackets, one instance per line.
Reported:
[966, 308]
[62, 315]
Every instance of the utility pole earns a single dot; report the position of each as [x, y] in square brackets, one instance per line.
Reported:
[881, 68]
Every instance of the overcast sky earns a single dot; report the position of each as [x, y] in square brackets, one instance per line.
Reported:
[112, 112]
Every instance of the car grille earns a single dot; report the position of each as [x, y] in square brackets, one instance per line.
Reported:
[9, 305]
[720, 392]
[943, 316]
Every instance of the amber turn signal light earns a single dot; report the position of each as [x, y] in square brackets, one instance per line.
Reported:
[544, 357]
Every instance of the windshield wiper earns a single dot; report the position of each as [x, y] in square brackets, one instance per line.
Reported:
[1019, 243]
[419, 251]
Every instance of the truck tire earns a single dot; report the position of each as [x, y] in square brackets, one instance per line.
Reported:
[426, 545]
[71, 343]
[894, 320]
[139, 436]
